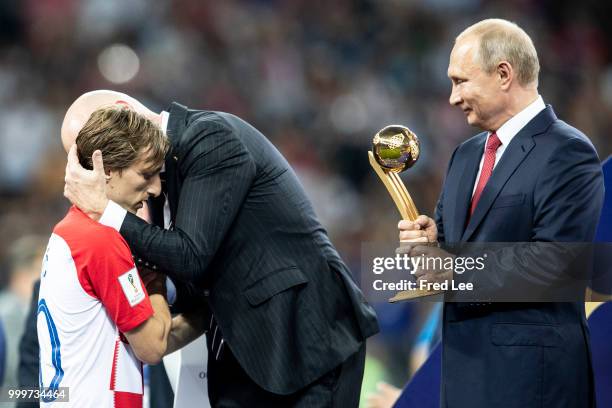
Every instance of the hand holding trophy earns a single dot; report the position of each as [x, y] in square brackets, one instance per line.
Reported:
[396, 148]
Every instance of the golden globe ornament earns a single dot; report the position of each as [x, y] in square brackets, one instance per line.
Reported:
[396, 148]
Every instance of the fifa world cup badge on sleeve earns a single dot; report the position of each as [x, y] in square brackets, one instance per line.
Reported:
[130, 283]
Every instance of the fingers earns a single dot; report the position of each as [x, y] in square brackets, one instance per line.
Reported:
[73, 157]
[410, 231]
[406, 246]
[423, 226]
[424, 221]
[406, 225]
[73, 160]
[98, 163]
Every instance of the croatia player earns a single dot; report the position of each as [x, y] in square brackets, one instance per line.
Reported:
[96, 319]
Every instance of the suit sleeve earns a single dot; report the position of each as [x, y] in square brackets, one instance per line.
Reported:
[439, 206]
[218, 172]
[569, 196]
[567, 202]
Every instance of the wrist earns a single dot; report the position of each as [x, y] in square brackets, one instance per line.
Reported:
[157, 288]
[97, 213]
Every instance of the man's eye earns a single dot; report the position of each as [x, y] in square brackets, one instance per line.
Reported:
[147, 176]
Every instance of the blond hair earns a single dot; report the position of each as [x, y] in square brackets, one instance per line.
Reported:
[502, 40]
[122, 135]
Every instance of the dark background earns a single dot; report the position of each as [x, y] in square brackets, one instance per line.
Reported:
[319, 78]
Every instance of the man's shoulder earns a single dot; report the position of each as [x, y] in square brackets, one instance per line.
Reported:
[82, 233]
[202, 119]
[472, 143]
[562, 133]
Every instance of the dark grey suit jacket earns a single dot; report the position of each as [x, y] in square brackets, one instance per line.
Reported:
[244, 230]
[547, 187]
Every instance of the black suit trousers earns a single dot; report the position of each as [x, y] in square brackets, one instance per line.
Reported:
[229, 386]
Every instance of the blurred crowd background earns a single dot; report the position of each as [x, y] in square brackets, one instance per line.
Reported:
[319, 78]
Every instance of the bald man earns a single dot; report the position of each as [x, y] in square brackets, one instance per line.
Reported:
[289, 324]
[529, 177]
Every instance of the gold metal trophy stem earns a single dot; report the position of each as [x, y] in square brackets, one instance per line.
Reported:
[396, 148]
[396, 189]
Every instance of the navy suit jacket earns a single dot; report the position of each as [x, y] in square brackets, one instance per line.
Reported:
[547, 187]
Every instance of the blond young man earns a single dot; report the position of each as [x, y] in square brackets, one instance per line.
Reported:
[96, 319]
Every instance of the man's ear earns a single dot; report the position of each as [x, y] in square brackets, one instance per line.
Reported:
[505, 73]
[124, 103]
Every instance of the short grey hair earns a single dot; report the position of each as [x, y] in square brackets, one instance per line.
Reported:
[502, 40]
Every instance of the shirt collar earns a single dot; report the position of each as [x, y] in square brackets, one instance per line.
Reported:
[164, 121]
[164, 127]
[514, 125]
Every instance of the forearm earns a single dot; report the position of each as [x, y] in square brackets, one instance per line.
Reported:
[185, 329]
[163, 322]
[171, 251]
[149, 340]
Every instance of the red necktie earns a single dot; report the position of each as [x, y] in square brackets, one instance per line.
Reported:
[493, 144]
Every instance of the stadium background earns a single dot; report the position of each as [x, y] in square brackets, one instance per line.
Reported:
[319, 78]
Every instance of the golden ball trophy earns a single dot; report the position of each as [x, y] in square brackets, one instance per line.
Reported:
[396, 148]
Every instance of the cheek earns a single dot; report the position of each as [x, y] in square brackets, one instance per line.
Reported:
[475, 100]
[138, 186]
[466, 94]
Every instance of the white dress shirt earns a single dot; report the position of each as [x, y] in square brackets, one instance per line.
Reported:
[508, 130]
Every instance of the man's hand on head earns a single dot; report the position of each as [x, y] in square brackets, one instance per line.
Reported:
[86, 188]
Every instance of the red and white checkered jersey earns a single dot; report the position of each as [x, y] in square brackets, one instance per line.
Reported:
[90, 293]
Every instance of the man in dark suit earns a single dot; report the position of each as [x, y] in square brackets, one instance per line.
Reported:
[288, 324]
[528, 178]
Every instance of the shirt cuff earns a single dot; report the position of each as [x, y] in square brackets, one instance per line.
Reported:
[170, 291]
[113, 215]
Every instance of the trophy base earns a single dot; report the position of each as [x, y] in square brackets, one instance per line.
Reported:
[413, 294]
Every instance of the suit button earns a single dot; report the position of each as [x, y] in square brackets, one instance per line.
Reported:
[206, 292]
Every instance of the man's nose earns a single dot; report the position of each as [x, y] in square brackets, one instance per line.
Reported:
[155, 186]
[455, 97]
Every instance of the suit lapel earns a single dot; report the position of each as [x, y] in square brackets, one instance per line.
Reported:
[515, 153]
[463, 194]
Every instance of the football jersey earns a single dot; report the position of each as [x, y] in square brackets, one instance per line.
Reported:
[90, 293]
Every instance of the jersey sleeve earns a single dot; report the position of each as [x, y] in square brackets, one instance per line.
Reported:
[116, 283]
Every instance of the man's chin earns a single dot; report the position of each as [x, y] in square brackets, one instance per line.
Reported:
[133, 209]
[473, 121]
